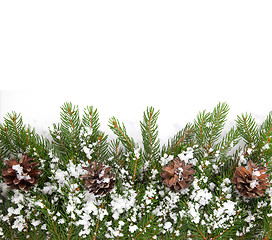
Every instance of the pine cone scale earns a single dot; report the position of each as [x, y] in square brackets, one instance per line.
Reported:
[177, 175]
[98, 181]
[21, 175]
[251, 182]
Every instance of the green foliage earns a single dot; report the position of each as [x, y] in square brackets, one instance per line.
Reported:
[120, 131]
[183, 139]
[247, 128]
[209, 125]
[150, 134]
[139, 206]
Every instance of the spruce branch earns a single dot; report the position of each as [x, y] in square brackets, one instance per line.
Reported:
[144, 228]
[91, 119]
[70, 124]
[247, 128]
[266, 127]
[120, 131]
[13, 134]
[230, 140]
[182, 139]
[149, 129]
[217, 121]
[201, 128]
[208, 126]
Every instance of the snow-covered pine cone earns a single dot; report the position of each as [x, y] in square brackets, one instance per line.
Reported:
[251, 182]
[177, 175]
[22, 175]
[99, 180]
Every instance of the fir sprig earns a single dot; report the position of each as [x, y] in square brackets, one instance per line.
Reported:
[121, 132]
[247, 128]
[149, 129]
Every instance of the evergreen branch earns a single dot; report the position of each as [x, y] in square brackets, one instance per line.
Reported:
[263, 152]
[15, 127]
[177, 229]
[53, 224]
[120, 132]
[201, 128]
[102, 146]
[135, 168]
[266, 126]
[228, 227]
[186, 134]
[201, 233]
[114, 147]
[91, 119]
[217, 121]
[247, 128]
[179, 138]
[70, 125]
[12, 132]
[149, 129]
[96, 228]
[11, 232]
[228, 141]
[144, 228]
[153, 235]
[73, 129]
[70, 229]
[269, 231]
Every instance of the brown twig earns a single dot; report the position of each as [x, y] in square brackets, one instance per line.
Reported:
[116, 126]
[96, 228]
[51, 216]
[201, 232]
[269, 139]
[135, 167]
[183, 137]
[74, 136]
[12, 237]
[266, 238]
[143, 228]
[228, 227]
[16, 128]
[247, 129]
[99, 141]
[150, 139]
[70, 230]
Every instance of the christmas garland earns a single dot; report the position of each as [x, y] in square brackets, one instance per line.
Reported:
[206, 183]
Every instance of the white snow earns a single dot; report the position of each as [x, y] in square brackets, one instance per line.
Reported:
[254, 183]
[20, 173]
[133, 228]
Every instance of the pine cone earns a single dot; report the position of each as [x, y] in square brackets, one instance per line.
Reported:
[98, 181]
[251, 182]
[177, 175]
[21, 175]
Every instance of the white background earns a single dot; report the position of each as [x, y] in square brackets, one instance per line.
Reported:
[121, 56]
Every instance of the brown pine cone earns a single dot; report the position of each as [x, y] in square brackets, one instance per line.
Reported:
[21, 175]
[251, 182]
[99, 180]
[177, 175]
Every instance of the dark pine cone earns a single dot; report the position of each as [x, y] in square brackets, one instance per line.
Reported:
[251, 182]
[177, 175]
[99, 180]
[21, 175]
